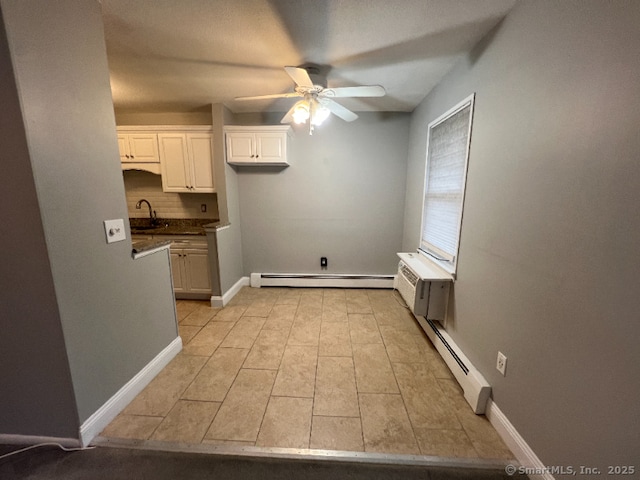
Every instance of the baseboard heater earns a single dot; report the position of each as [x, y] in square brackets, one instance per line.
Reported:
[476, 389]
[425, 289]
[321, 280]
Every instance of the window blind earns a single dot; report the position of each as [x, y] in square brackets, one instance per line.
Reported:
[447, 151]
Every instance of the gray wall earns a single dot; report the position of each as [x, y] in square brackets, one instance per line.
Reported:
[342, 197]
[33, 361]
[229, 240]
[116, 314]
[549, 260]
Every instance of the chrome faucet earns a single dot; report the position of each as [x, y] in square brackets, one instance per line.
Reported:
[152, 213]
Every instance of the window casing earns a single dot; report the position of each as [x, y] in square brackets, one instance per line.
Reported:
[448, 141]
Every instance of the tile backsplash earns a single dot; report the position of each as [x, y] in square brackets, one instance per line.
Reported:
[139, 184]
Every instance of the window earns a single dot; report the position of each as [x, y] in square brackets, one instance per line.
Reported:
[448, 141]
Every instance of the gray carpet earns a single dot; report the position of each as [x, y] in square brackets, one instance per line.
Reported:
[111, 463]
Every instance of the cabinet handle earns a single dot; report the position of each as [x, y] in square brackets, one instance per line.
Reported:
[257, 156]
[126, 155]
[252, 156]
[132, 156]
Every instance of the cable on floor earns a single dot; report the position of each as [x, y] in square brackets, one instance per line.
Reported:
[47, 444]
[403, 304]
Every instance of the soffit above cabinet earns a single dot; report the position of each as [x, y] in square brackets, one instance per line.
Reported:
[164, 128]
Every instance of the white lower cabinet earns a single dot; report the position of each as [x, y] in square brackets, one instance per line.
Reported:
[190, 267]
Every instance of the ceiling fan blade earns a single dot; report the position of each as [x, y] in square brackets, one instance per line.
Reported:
[300, 76]
[361, 91]
[338, 110]
[288, 118]
[275, 95]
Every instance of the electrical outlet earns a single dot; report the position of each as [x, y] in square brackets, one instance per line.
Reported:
[501, 364]
[323, 262]
[203, 208]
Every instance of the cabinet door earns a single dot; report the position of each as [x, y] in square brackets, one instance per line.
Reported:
[123, 146]
[177, 270]
[176, 175]
[143, 148]
[271, 147]
[201, 158]
[197, 271]
[240, 147]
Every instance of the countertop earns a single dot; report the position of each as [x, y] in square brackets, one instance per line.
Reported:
[170, 226]
[143, 248]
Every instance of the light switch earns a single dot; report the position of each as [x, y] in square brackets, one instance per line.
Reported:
[115, 230]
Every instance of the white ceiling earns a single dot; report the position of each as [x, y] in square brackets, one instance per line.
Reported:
[183, 55]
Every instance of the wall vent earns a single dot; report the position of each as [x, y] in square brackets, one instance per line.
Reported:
[412, 289]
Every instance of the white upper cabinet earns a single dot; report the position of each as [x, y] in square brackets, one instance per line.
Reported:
[139, 151]
[257, 145]
[199, 148]
[138, 147]
[181, 154]
[186, 161]
[176, 175]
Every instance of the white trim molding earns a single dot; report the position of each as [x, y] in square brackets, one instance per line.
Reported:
[321, 280]
[523, 453]
[107, 412]
[221, 301]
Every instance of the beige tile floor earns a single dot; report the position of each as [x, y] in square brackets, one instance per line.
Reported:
[336, 369]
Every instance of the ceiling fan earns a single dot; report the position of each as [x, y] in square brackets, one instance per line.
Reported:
[317, 99]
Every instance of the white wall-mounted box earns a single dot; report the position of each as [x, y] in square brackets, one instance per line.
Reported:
[114, 229]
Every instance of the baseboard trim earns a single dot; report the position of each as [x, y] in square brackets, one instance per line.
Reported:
[221, 301]
[521, 450]
[10, 439]
[321, 280]
[107, 412]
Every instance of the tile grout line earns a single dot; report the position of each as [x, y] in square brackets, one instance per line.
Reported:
[232, 382]
[277, 372]
[404, 403]
[355, 381]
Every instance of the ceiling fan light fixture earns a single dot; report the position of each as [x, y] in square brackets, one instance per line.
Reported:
[318, 103]
[320, 114]
[301, 112]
